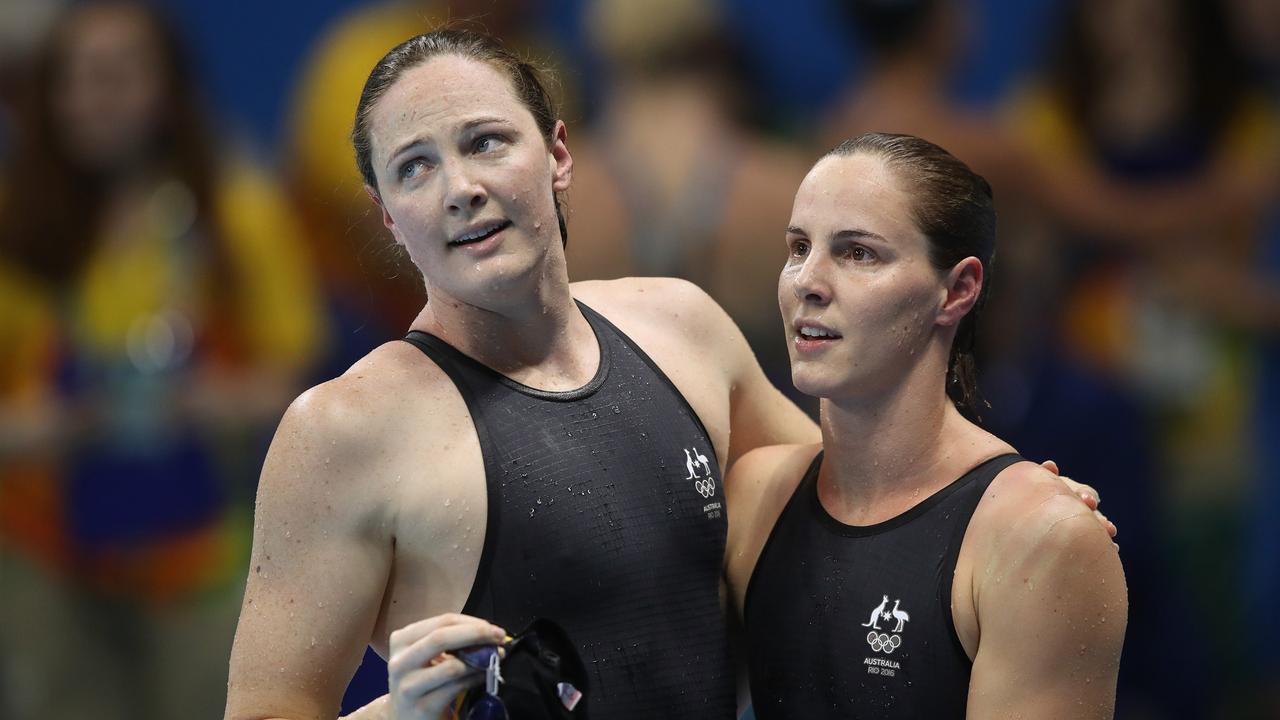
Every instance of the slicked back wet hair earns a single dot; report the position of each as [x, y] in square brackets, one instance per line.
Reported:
[954, 208]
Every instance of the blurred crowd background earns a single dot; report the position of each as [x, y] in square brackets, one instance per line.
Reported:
[185, 245]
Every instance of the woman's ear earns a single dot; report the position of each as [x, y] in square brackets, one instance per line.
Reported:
[561, 159]
[963, 286]
[387, 220]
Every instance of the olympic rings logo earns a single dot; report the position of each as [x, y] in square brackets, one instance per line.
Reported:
[883, 642]
[706, 488]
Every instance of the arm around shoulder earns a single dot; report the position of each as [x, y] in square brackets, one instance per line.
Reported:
[760, 415]
[1052, 607]
[319, 564]
[757, 489]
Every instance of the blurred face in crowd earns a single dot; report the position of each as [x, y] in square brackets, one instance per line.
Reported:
[860, 300]
[466, 179]
[1257, 25]
[108, 95]
[1142, 58]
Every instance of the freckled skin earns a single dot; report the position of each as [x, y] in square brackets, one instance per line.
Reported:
[512, 176]
[1038, 599]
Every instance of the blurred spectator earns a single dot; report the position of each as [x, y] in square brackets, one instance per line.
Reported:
[1169, 302]
[373, 289]
[669, 180]
[21, 23]
[911, 49]
[157, 312]
[1257, 25]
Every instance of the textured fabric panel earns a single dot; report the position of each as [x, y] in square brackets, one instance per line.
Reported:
[606, 515]
[855, 622]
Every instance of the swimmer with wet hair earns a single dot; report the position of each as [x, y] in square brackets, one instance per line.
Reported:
[911, 565]
[533, 448]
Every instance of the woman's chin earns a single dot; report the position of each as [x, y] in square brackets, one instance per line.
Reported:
[813, 384]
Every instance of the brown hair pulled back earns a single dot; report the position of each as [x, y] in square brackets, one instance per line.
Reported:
[954, 208]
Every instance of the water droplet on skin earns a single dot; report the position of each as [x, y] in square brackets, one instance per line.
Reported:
[448, 502]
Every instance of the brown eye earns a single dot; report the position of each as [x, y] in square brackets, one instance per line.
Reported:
[858, 253]
[799, 248]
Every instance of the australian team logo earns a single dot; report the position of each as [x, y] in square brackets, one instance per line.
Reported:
[699, 468]
[886, 641]
[704, 483]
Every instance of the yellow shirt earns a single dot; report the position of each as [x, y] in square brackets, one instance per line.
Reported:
[147, 297]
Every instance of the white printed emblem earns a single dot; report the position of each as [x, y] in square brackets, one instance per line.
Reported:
[705, 484]
[889, 641]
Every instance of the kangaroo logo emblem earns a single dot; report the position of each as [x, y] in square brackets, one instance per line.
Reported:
[704, 484]
[877, 614]
[884, 641]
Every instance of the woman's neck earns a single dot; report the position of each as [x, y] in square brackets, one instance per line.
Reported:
[882, 457]
[540, 339]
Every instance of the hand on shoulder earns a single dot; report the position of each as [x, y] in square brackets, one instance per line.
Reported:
[1029, 513]
[1050, 599]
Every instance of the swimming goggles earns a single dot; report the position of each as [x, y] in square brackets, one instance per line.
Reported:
[545, 677]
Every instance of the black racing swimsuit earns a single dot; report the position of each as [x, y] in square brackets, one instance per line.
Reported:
[855, 622]
[605, 514]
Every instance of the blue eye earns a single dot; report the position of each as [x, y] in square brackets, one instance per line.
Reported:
[412, 169]
[486, 143]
